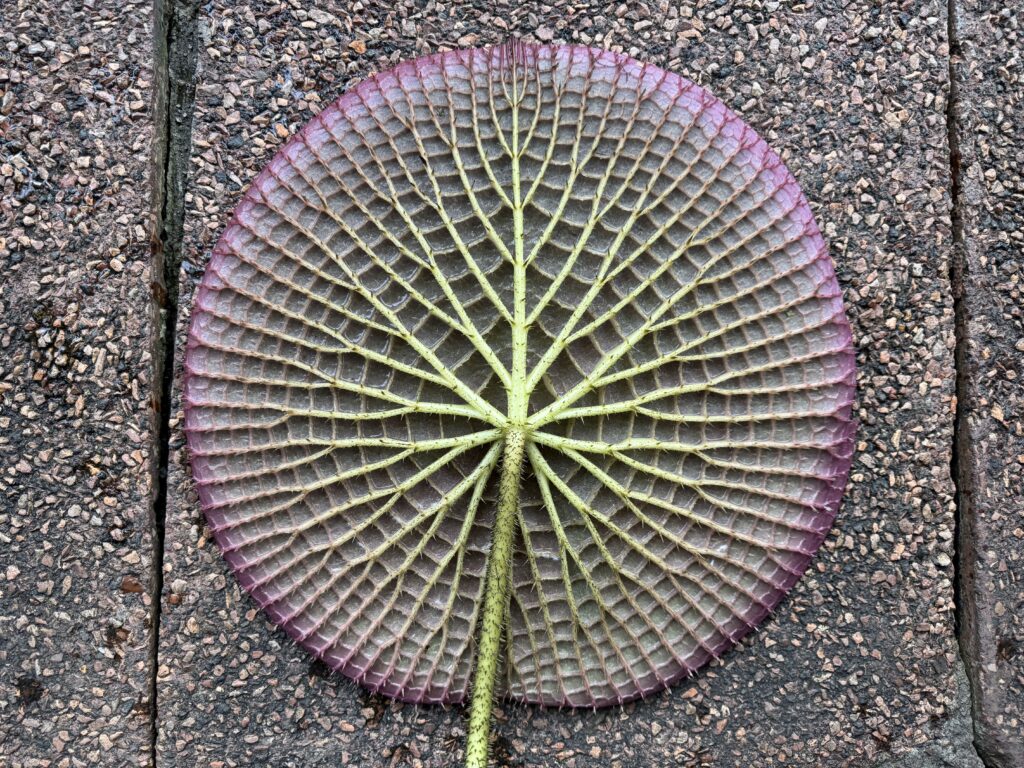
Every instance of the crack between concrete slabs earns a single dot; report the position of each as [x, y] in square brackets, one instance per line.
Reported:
[175, 56]
[961, 459]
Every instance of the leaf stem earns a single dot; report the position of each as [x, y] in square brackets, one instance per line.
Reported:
[496, 596]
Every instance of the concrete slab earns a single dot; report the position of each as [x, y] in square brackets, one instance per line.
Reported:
[75, 413]
[990, 101]
[859, 666]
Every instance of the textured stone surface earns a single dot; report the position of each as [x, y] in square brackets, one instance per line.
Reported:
[74, 390]
[991, 111]
[857, 665]
[952, 744]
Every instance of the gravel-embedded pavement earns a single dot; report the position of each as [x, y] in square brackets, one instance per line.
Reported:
[990, 76]
[861, 664]
[75, 416]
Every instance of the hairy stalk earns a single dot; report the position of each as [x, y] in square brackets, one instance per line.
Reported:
[496, 592]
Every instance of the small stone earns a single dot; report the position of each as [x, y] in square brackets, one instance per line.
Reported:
[131, 585]
[322, 17]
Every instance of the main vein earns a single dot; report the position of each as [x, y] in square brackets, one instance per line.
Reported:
[518, 394]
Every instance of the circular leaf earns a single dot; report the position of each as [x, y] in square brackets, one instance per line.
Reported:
[559, 241]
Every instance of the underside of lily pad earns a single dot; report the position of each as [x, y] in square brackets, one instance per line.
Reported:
[531, 355]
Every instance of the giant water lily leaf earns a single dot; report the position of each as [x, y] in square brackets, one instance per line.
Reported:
[522, 369]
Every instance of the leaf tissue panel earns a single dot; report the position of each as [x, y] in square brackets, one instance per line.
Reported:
[557, 242]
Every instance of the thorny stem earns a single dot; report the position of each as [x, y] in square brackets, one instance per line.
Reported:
[496, 589]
